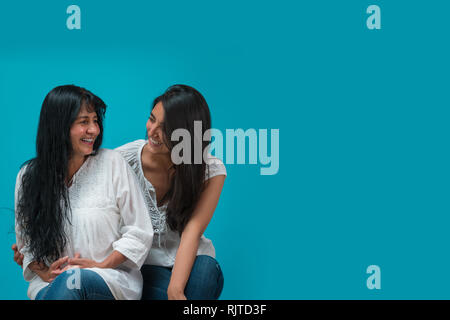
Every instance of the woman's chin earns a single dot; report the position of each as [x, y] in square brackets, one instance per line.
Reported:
[157, 150]
[154, 149]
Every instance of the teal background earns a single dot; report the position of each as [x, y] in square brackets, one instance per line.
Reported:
[363, 118]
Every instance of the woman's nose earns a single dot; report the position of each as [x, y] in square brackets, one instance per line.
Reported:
[93, 128]
[153, 130]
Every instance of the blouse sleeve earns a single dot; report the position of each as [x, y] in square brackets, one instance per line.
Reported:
[135, 228]
[22, 247]
[214, 167]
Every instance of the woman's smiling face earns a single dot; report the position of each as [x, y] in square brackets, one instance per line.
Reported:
[155, 130]
[83, 132]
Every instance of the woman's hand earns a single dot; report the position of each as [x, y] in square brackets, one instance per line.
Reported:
[82, 263]
[111, 261]
[48, 274]
[175, 293]
[18, 257]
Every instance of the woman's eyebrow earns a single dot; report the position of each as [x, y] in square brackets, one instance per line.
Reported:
[86, 117]
[153, 116]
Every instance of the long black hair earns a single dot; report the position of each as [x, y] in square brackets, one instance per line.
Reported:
[182, 106]
[43, 204]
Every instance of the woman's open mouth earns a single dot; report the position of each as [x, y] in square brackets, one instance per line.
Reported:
[88, 141]
[154, 142]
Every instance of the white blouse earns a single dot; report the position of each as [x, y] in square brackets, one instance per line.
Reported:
[108, 212]
[165, 241]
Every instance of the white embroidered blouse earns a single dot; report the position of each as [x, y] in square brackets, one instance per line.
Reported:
[108, 212]
[165, 241]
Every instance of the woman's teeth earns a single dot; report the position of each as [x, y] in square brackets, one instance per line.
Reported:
[88, 140]
[155, 142]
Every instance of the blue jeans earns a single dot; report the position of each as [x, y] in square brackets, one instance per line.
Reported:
[78, 284]
[205, 281]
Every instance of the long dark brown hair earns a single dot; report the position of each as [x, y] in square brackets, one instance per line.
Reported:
[182, 106]
[43, 203]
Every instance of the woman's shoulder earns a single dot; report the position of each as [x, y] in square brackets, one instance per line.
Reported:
[21, 172]
[106, 153]
[214, 167]
[131, 153]
[108, 160]
[131, 146]
[130, 150]
[110, 155]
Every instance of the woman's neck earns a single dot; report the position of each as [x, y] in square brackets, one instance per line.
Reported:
[75, 164]
[156, 162]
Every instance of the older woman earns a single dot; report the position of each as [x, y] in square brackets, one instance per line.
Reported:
[79, 206]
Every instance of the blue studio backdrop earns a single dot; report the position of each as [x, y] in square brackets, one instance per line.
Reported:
[362, 113]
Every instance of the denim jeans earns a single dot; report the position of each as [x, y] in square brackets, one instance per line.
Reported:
[205, 281]
[90, 286]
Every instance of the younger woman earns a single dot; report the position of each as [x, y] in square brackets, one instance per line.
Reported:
[181, 198]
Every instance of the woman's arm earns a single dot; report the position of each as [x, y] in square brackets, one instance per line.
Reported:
[26, 259]
[18, 257]
[190, 237]
[48, 274]
[112, 261]
[136, 230]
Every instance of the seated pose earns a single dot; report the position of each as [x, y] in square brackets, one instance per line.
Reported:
[82, 227]
[181, 199]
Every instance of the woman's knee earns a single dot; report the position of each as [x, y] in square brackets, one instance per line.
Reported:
[77, 284]
[62, 279]
[156, 281]
[206, 265]
[206, 279]
[62, 287]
